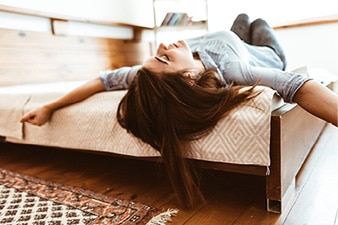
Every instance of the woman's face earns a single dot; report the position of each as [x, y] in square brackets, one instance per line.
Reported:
[175, 57]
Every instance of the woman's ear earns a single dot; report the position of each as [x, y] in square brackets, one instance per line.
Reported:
[192, 77]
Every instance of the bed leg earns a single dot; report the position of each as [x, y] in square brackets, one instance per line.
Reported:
[287, 201]
[274, 206]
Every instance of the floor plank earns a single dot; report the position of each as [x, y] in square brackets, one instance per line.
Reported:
[318, 198]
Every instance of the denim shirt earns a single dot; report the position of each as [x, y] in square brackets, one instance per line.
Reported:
[235, 61]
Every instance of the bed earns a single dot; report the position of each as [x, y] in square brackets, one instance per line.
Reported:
[263, 137]
[92, 125]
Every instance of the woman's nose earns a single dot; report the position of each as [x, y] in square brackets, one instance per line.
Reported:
[163, 46]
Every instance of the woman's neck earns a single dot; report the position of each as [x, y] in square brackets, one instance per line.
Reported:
[199, 66]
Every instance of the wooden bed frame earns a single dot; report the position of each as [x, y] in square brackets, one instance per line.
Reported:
[34, 57]
[293, 134]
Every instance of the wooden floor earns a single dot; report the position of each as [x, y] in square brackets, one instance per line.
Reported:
[231, 198]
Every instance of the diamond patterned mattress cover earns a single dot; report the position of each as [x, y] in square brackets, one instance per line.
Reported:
[242, 137]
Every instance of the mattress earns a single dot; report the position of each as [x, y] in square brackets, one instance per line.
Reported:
[243, 137]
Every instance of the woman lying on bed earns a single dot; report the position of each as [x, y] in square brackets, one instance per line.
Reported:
[180, 93]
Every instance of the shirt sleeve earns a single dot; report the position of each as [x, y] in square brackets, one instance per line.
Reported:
[118, 79]
[284, 82]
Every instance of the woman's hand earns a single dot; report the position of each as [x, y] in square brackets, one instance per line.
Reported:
[38, 116]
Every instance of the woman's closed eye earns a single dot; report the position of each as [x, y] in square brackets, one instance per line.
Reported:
[163, 59]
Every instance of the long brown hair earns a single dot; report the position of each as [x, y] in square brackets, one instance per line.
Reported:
[168, 111]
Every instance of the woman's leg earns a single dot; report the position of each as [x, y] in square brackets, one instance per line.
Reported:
[263, 35]
[241, 27]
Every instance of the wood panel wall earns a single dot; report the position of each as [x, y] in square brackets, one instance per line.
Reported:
[35, 57]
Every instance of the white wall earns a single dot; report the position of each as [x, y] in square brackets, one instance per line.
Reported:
[39, 24]
[313, 46]
[222, 13]
[138, 12]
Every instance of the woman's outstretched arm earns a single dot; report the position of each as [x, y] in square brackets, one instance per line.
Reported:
[318, 100]
[42, 114]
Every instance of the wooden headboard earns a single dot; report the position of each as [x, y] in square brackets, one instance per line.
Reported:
[35, 57]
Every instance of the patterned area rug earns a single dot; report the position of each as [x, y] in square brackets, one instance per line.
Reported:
[26, 200]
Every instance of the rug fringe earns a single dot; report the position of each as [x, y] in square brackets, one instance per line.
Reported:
[163, 218]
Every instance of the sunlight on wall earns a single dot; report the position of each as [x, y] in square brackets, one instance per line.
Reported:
[314, 46]
[32, 23]
[128, 11]
[275, 12]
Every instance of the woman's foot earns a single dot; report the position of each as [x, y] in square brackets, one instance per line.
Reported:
[241, 27]
[263, 35]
